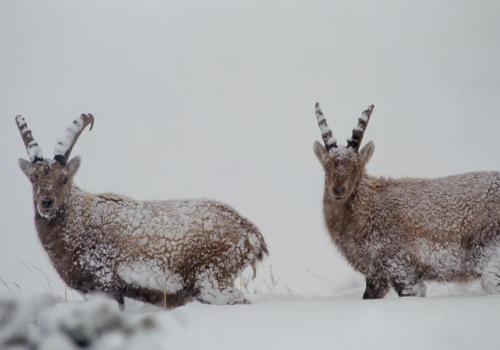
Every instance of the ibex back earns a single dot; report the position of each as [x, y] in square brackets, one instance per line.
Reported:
[404, 232]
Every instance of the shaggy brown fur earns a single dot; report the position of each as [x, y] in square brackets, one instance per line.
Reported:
[401, 233]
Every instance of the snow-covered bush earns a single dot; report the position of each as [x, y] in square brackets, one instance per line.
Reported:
[50, 324]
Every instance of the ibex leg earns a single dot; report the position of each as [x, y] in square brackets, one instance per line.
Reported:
[376, 288]
[490, 278]
[214, 291]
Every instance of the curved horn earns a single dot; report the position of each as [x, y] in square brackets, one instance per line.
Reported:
[326, 133]
[359, 131]
[34, 151]
[65, 144]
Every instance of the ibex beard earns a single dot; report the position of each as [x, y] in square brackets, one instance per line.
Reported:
[401, 233]
[162, 252]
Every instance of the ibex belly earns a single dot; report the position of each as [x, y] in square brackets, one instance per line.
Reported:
[443, 261]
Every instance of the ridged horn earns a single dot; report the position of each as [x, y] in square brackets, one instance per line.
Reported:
[326, 133]
[65, 144]
[34, 151]
[357, 133]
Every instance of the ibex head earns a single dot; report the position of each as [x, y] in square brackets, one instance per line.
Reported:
[51, 178]
[344, 165]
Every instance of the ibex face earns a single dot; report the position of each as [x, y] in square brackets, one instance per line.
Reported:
[343, 169]
[51, 178]
[51, 183]
[344, 165]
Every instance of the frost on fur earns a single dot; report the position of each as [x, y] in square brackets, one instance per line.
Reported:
[403, 232]
[490, 278]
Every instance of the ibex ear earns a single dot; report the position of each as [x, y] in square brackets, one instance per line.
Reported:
[25, 166]
[319, 151]
[367, 152]
[73, 166]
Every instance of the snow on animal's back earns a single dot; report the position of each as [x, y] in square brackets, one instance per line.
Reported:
[171, 219]
[453, 187]
[452, 209]
[456, 195]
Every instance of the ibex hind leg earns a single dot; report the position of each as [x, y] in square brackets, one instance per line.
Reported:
[211, 290]
[490, 277]
[215, 280]
[216, 284]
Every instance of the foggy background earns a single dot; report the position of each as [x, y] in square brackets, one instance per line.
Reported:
[216, 99]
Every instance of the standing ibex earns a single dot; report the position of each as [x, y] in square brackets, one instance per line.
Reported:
[404, 232]
[155, 251]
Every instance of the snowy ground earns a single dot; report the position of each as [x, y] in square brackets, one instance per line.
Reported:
[275, 321]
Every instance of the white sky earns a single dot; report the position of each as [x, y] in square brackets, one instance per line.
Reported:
[215, 99]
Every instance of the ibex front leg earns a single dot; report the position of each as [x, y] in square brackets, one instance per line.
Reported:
[376, 287]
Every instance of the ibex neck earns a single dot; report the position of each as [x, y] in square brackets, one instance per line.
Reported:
[61, 248]
[337, 216]
[345, 218]
[51, 230]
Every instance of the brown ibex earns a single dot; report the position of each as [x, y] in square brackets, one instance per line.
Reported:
[162, 252]
[403, 232]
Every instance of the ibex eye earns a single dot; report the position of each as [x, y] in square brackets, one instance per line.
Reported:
[64, 179]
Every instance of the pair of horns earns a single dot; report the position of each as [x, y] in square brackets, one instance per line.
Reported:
[357, 133]
[63, 146]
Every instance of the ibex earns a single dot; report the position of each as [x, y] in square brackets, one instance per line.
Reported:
[403, 232]
[161, 252]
